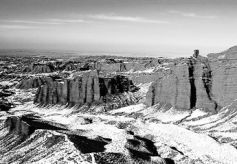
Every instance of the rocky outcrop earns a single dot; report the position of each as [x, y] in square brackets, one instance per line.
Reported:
[5, 105]
[40, 68]
[35, 81]
[118, 66]
[68, 66]
[173, 88]
[203, 84]
[82, 89]
[17, 126]
[188, 84]
[86, 88]
[24, 136]
[224, 76]
[142, 149]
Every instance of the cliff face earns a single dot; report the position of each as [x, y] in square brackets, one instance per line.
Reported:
[224, 76]
[204, 86]
[87, 88]
[40, 68]
[172, 89]
[190, 83]
[34, 82]
[81, 89]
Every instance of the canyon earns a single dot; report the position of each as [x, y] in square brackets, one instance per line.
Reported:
[113, 109]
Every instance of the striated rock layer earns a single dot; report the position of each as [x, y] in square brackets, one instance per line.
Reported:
[87, 88]
[172, 89]
[197, 82]
[35, 81]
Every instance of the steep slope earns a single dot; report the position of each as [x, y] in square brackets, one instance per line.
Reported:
[35, 81]
[197, 82]
[87, 88]
[172, 89]
[32, 139]
[224, 68]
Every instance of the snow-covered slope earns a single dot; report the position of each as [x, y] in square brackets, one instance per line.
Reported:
[185, 137]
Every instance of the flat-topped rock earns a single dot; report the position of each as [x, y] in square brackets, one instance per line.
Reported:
[193, 83]
[85, 88]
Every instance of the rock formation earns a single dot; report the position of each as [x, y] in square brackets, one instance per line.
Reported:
[87, 88]
[18, 126]
[40, 68]
[188, 84]
[118, 66]
[172, 89]
[26, 135]
[223, 68]
[5, 105]
[35, 81]
[142, 149]
[68, 66]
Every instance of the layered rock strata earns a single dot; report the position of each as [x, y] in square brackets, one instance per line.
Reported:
[186, 85]
[35, 81]
[87, 88]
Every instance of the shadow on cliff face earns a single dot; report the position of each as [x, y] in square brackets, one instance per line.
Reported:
[86, 145]
[115, 85]
[5, 105]
[17, 126]
[169, 161]
[141, 149]
[193, 94]
[35, 123]
[16, 132]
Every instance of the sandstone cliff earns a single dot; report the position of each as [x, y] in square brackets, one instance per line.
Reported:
[87, 88]
[189, 83]
[173, 88]
[224, 76]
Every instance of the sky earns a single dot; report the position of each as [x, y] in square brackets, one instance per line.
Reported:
[140, 27]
